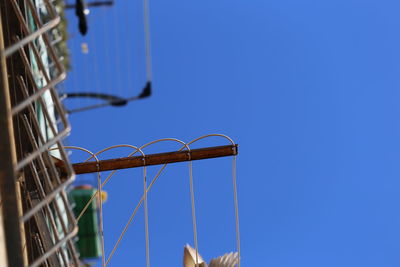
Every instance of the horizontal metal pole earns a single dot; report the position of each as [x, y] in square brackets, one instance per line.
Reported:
[155, 159]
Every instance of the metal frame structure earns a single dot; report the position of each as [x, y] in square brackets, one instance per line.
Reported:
[37, 218]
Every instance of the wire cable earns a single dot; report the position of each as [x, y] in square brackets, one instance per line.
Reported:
[194, 220]
[146, 217]
[236, 205]
[146, 18]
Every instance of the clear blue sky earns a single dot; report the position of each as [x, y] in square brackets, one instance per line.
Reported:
[309, 90]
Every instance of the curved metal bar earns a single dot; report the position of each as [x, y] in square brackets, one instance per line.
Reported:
[78, 148]
[166, 139]
[210, 135]
[117, 146]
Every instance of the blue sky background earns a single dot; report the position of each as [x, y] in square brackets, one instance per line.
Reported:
[308, 89]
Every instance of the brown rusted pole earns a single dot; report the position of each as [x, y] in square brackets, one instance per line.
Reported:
[155, 159]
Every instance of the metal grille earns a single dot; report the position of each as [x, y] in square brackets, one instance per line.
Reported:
[40, 124]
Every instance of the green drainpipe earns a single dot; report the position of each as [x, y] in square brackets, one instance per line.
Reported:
[88, 243]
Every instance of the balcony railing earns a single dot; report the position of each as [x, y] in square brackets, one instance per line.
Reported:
[33, 68]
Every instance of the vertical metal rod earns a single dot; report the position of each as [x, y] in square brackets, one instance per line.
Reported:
[10, 207]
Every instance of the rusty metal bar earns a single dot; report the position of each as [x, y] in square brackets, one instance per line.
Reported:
[155, 159]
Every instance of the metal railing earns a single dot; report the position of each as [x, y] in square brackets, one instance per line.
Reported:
[33, 69]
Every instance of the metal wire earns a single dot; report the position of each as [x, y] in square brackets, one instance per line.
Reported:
[146, 217]
[146, 18]
[194, 220]
[236, 205]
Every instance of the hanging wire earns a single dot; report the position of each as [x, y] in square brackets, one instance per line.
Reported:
[100, 199]
[133, 215]
[129, 44]
[194, 220]
[74, 76]
[146, 217]
[87, 81]
[93, 54]
[106, 55]
[146, 18]
[115, 26]
[236, 204]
